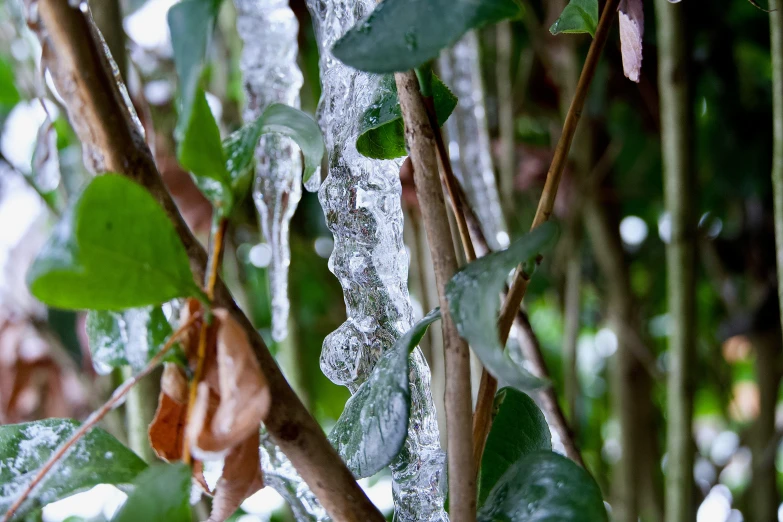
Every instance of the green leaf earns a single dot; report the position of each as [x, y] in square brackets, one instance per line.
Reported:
[474, 304]
[372, 429]
[9, 95]
[97, 458]
[200, 152]
[518, 428]
[280, 119]
[114, 248]
[128, 338]
[381, 131]
[161, 494]
[402, 34]
[544, 487]
[191, 23]
[579, 16]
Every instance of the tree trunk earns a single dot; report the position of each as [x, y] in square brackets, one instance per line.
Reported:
[680, 256]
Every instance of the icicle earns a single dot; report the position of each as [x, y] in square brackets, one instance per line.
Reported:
[469, 146]
[361, 200]
[269, 30]
[280, 474]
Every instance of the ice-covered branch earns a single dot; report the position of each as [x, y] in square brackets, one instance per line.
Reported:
[361, 201]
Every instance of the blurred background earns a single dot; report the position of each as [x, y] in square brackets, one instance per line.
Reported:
[597, 305]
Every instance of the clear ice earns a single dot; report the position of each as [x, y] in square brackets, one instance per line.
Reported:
[280, 474]
[361, 200]
[269, 29]
[469, 147]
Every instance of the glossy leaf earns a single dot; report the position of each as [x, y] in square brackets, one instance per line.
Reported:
[579, 16]
[473, 295]
[518, 429]
[371, 431]
[402, 34]
[544, 487]
[281, 119]
[128, 338]
[191, 23]
[97, 458]
[161, 494]
[200, 152]
[381, 131]
[114, 248]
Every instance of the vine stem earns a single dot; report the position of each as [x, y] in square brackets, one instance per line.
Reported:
[510, 308]
[213, 263]
[97, 415]
[421, 142]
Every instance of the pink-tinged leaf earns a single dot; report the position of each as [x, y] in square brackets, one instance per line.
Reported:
[631, 32]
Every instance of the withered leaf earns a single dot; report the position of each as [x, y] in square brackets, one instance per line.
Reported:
[631, 31]
[168, 426]
[241, 478]
[244, 398]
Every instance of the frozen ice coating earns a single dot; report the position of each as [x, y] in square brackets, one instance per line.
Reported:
[361, 201]
[468, 136]
[269, 31]
[280, 474]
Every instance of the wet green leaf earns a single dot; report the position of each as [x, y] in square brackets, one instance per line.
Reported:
[114, 248]
[544, 487]
[381, 131]
[200, 152]
[199, 149]
[402, 34]
[128, 338]
[473, 295]
[372, 429]
[97, 458]
[518, 429]
[161, 494]
[277, 118]
[579, 16]
[9, 95]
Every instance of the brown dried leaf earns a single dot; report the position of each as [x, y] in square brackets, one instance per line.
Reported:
[244, 398]
[167, 428]
[631, 31]
[241, 478]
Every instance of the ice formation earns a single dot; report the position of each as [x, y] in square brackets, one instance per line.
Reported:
[269, 29]
[361, 200]
[468, 136]
[280, 474]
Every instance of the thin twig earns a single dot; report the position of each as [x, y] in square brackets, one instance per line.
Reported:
[96, 416]
[518, 288]
[212, 269]
[421, 142]
[32, 184]
[531, 350]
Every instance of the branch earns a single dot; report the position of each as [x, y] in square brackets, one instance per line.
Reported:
[422, 145]
[79, 67]
[510, 308]
[531, 349]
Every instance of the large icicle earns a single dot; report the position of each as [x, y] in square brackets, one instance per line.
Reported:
[468, 136]
[269, 29]
[361, 200]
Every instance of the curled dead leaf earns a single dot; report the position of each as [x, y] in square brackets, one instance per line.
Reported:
[631, 31]
[241, 478]
[167, 429]
[243, 394]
